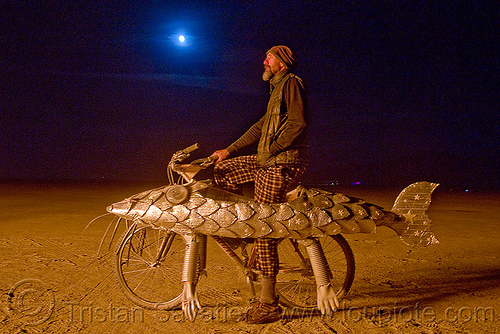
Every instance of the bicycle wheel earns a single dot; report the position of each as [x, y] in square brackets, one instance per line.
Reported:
[296, 284]
[149, 266]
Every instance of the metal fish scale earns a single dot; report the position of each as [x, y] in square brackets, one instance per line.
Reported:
[321, 201]
[167, 217]
[195, 219]
[209, 207]
[209, 227]
[261, 228]
[284, 212]
[162, 203]
[153, 211]
[298, 222]
[265, 211]
[224, 217]
[195, 201]
[244, 211]
[339, 212]
[357, 210]
[301, 204]
[241, 229]
[319, 217]
[340, 198]
[140, 207]
[180, 212]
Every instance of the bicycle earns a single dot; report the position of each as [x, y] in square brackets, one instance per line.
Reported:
[164, 249]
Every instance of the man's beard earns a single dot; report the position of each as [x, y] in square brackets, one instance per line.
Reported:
[267, 75]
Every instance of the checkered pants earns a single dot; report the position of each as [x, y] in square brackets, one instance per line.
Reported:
[271, 185]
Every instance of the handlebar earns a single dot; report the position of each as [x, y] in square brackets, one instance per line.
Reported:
[204, 162]
[183, 154]
[191, 148]
[188, 171]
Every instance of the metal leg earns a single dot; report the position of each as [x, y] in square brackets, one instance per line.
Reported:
[190, 303]
[327, 298]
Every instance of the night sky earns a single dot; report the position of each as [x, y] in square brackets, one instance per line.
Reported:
[401, 91]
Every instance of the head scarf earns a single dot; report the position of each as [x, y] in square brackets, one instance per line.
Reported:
[284, 55]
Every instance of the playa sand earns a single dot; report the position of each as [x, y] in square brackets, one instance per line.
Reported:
[52, 280]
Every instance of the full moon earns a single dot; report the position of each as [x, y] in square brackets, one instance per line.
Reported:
[182, 38]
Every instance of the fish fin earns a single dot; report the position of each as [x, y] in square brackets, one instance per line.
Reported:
[415, 228]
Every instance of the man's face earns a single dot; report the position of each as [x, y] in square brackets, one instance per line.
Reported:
[272, 66]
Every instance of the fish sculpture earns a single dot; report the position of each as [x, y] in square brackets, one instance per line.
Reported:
[200, 207]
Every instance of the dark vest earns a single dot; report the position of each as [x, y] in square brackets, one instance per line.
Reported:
[275, 122]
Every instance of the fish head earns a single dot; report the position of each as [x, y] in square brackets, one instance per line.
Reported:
[129, 209]
[149, 202]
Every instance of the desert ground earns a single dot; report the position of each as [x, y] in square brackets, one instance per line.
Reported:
[53, 280]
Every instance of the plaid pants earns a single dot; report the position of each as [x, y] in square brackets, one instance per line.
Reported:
[271, 185]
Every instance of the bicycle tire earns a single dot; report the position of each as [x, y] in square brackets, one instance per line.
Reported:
[296, 285]
[145, 280]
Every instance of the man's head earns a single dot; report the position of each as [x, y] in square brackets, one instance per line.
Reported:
[278, 58]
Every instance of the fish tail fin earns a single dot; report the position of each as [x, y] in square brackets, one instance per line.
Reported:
[415, 227]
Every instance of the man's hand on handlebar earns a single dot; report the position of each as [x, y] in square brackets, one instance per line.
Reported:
[221, 155]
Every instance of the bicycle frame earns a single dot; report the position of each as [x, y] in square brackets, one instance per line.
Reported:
[193, 209]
